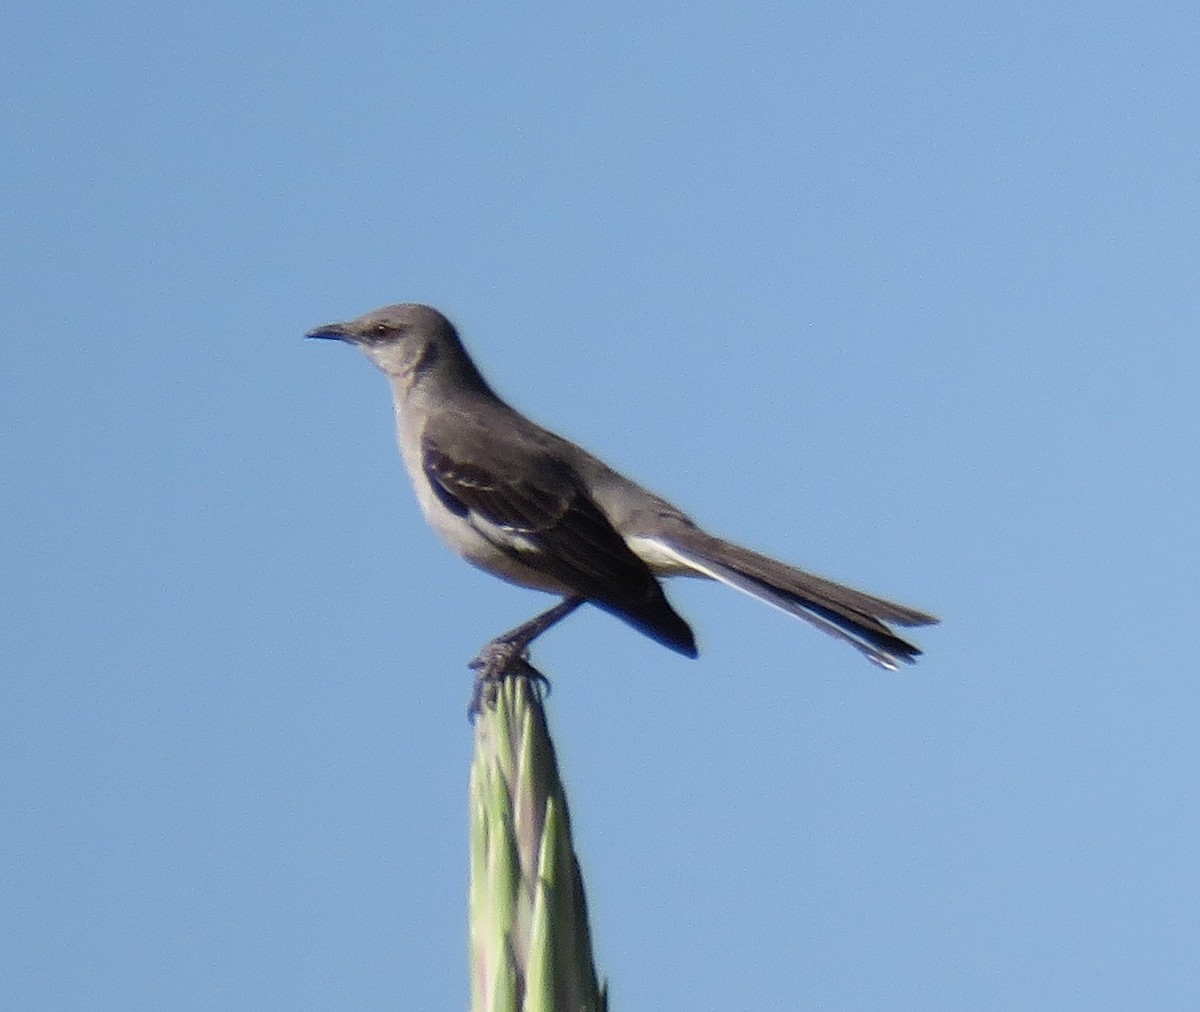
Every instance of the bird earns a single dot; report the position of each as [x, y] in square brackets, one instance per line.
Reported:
[526, 505]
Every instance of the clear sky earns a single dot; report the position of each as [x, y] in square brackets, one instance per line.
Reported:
[907, 294]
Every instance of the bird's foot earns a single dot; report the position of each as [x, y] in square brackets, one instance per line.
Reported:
[508, 655]
[504, 657]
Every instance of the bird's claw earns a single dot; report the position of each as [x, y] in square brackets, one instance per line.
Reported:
[500, 659]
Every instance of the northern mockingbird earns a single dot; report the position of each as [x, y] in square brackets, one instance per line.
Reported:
[539, 511]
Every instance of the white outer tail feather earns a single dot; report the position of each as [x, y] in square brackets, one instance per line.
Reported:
[664, 556]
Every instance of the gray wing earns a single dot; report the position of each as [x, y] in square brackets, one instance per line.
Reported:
[532, 506]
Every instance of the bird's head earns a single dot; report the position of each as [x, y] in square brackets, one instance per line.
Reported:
[399, 339]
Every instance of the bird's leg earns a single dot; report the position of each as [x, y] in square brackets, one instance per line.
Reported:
[497, 656]
[507, 654]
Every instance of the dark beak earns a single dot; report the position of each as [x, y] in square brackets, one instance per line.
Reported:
[332, 332]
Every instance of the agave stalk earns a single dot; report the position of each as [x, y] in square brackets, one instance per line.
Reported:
[530, 945]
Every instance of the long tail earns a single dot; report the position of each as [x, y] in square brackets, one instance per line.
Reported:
[841, 611]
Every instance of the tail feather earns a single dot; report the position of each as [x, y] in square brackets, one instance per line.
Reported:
[841, 611]
[654, 616]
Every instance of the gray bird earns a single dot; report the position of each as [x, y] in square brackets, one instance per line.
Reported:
[539, 511]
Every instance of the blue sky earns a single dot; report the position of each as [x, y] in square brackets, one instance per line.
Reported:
[906, 294]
